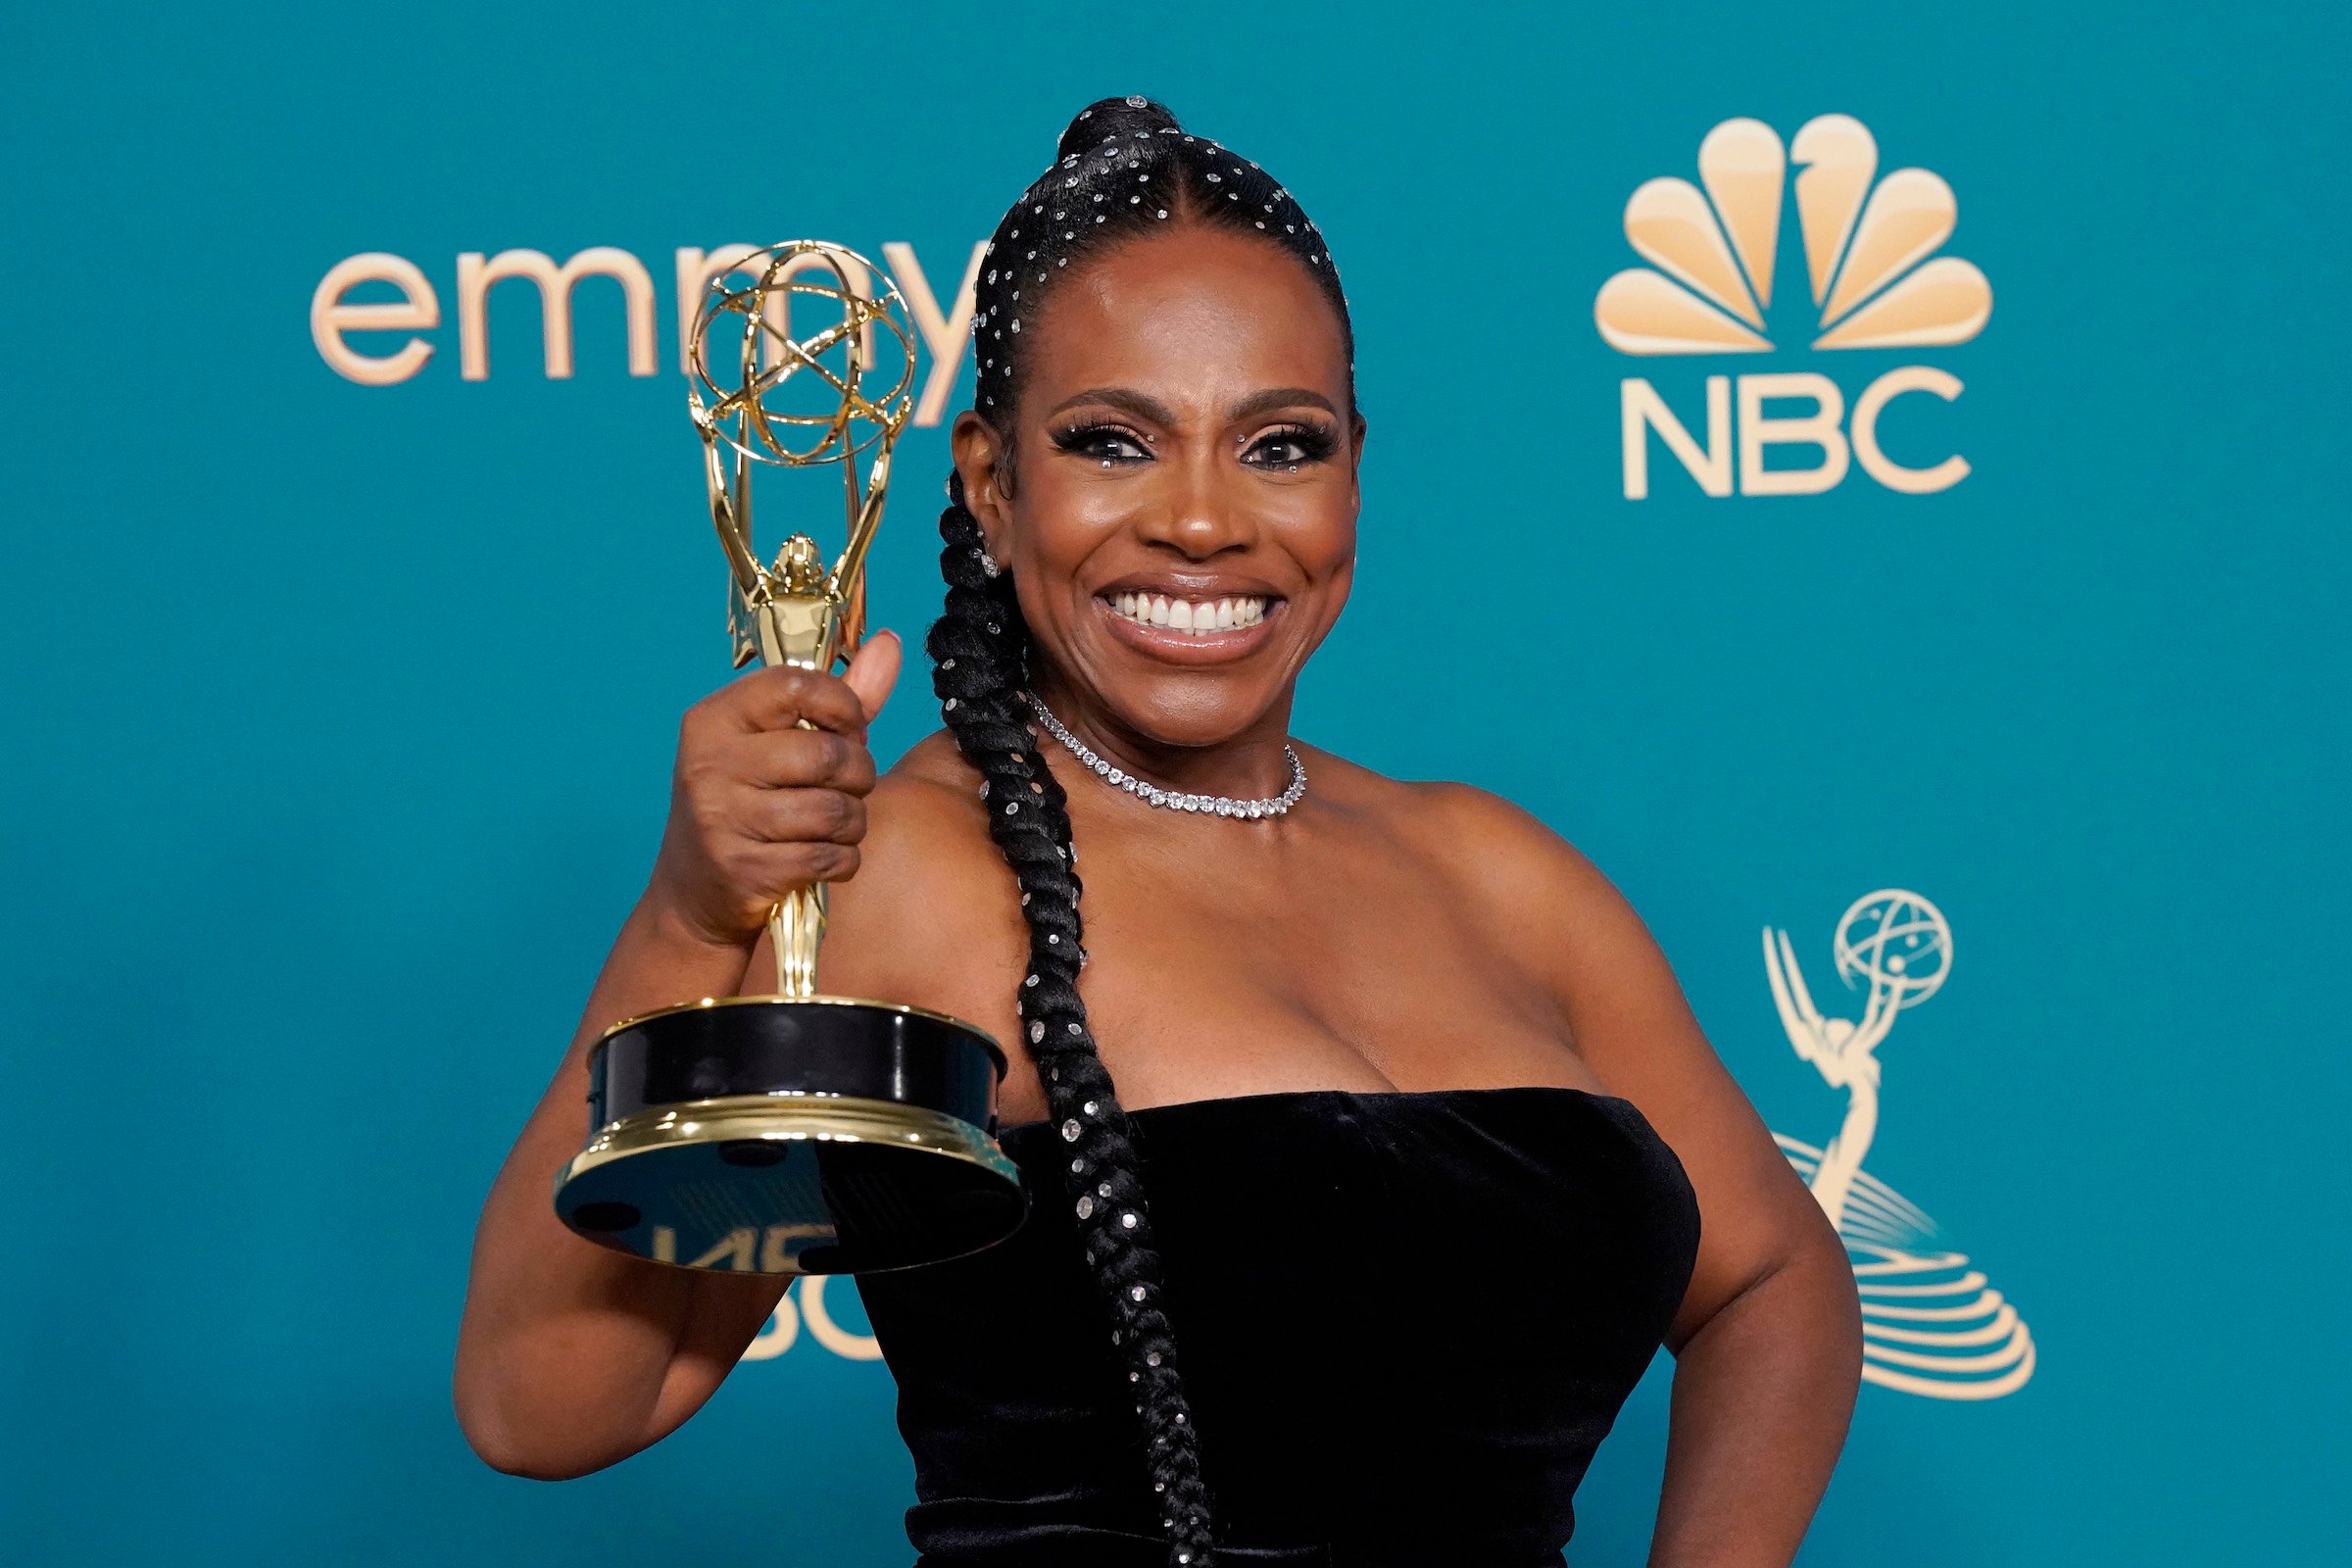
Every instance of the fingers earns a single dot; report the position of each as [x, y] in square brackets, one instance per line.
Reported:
[807, 816]
[875, 671]
[782, 696]
[765, 872]
[778, 698]
[797, 758]
[768, 792]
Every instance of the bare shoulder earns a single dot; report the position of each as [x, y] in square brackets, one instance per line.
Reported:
[1486, 849]
[1532, 896]
[926, 831]
[934, 786]
[932, 916]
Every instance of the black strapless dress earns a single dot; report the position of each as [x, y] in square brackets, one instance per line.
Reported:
[1406, 1319]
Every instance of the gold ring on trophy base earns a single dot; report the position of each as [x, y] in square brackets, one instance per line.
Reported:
[826, 1117]
[820, 999]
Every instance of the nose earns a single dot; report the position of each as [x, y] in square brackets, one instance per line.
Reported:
[1197, 509]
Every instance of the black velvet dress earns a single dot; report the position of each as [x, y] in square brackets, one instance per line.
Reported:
[1405, 1320]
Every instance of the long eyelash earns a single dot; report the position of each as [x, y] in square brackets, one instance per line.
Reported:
[1074, 438]
[1313, 441]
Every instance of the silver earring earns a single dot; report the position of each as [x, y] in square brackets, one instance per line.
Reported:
[988, 563]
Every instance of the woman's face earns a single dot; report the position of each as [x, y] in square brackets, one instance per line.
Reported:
[1185, 437]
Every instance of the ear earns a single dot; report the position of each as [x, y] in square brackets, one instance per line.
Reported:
[985, 467]
[1355, 463]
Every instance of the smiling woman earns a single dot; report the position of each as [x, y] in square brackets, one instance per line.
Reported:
[1365, 1026]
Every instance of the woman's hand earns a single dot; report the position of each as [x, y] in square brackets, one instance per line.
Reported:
[759, 806]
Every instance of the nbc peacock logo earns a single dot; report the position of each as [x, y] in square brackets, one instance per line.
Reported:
[1874, 279]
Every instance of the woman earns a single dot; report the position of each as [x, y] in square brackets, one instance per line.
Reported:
[1427, 1127]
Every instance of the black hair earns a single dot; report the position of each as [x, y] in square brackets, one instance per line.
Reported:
[1123, 168]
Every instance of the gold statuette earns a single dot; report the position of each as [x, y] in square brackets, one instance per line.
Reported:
[799, 403]
[794, 1133]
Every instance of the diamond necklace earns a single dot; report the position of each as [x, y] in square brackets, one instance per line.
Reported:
[1173, 800]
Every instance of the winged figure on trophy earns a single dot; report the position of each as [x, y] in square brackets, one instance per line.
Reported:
[1932, 1323]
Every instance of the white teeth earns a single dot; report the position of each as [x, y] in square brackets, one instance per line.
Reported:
[1198, 618]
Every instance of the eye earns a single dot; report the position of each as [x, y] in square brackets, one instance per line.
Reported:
[1110, 445]
[1285, 447]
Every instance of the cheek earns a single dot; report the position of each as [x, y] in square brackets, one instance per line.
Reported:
[1054, 523]
[1316, 523]
[1059, 522]
[1060, 515]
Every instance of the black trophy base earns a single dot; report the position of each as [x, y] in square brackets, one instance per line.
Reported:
[769, 1135]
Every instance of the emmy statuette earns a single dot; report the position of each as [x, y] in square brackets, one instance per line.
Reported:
[794, 1133]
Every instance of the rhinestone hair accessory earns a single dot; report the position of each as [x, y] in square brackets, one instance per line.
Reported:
[1172, 799]
[1123, 167]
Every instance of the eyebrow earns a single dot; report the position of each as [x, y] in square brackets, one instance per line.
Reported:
[1143, 406]
[1281, 397]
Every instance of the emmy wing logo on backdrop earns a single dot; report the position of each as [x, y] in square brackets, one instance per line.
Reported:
[1932, 1323]
[1875, 282]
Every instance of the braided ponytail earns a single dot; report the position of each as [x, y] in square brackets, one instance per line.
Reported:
[1124, 168]
[979, 651]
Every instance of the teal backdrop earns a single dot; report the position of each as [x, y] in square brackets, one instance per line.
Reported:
[338, 717]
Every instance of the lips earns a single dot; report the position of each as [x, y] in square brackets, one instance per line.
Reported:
[1190, 628]
[1196, 615]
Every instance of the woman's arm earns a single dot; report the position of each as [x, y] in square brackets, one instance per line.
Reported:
[1767, 1342]
[571, 1356]
[1763, 1392]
